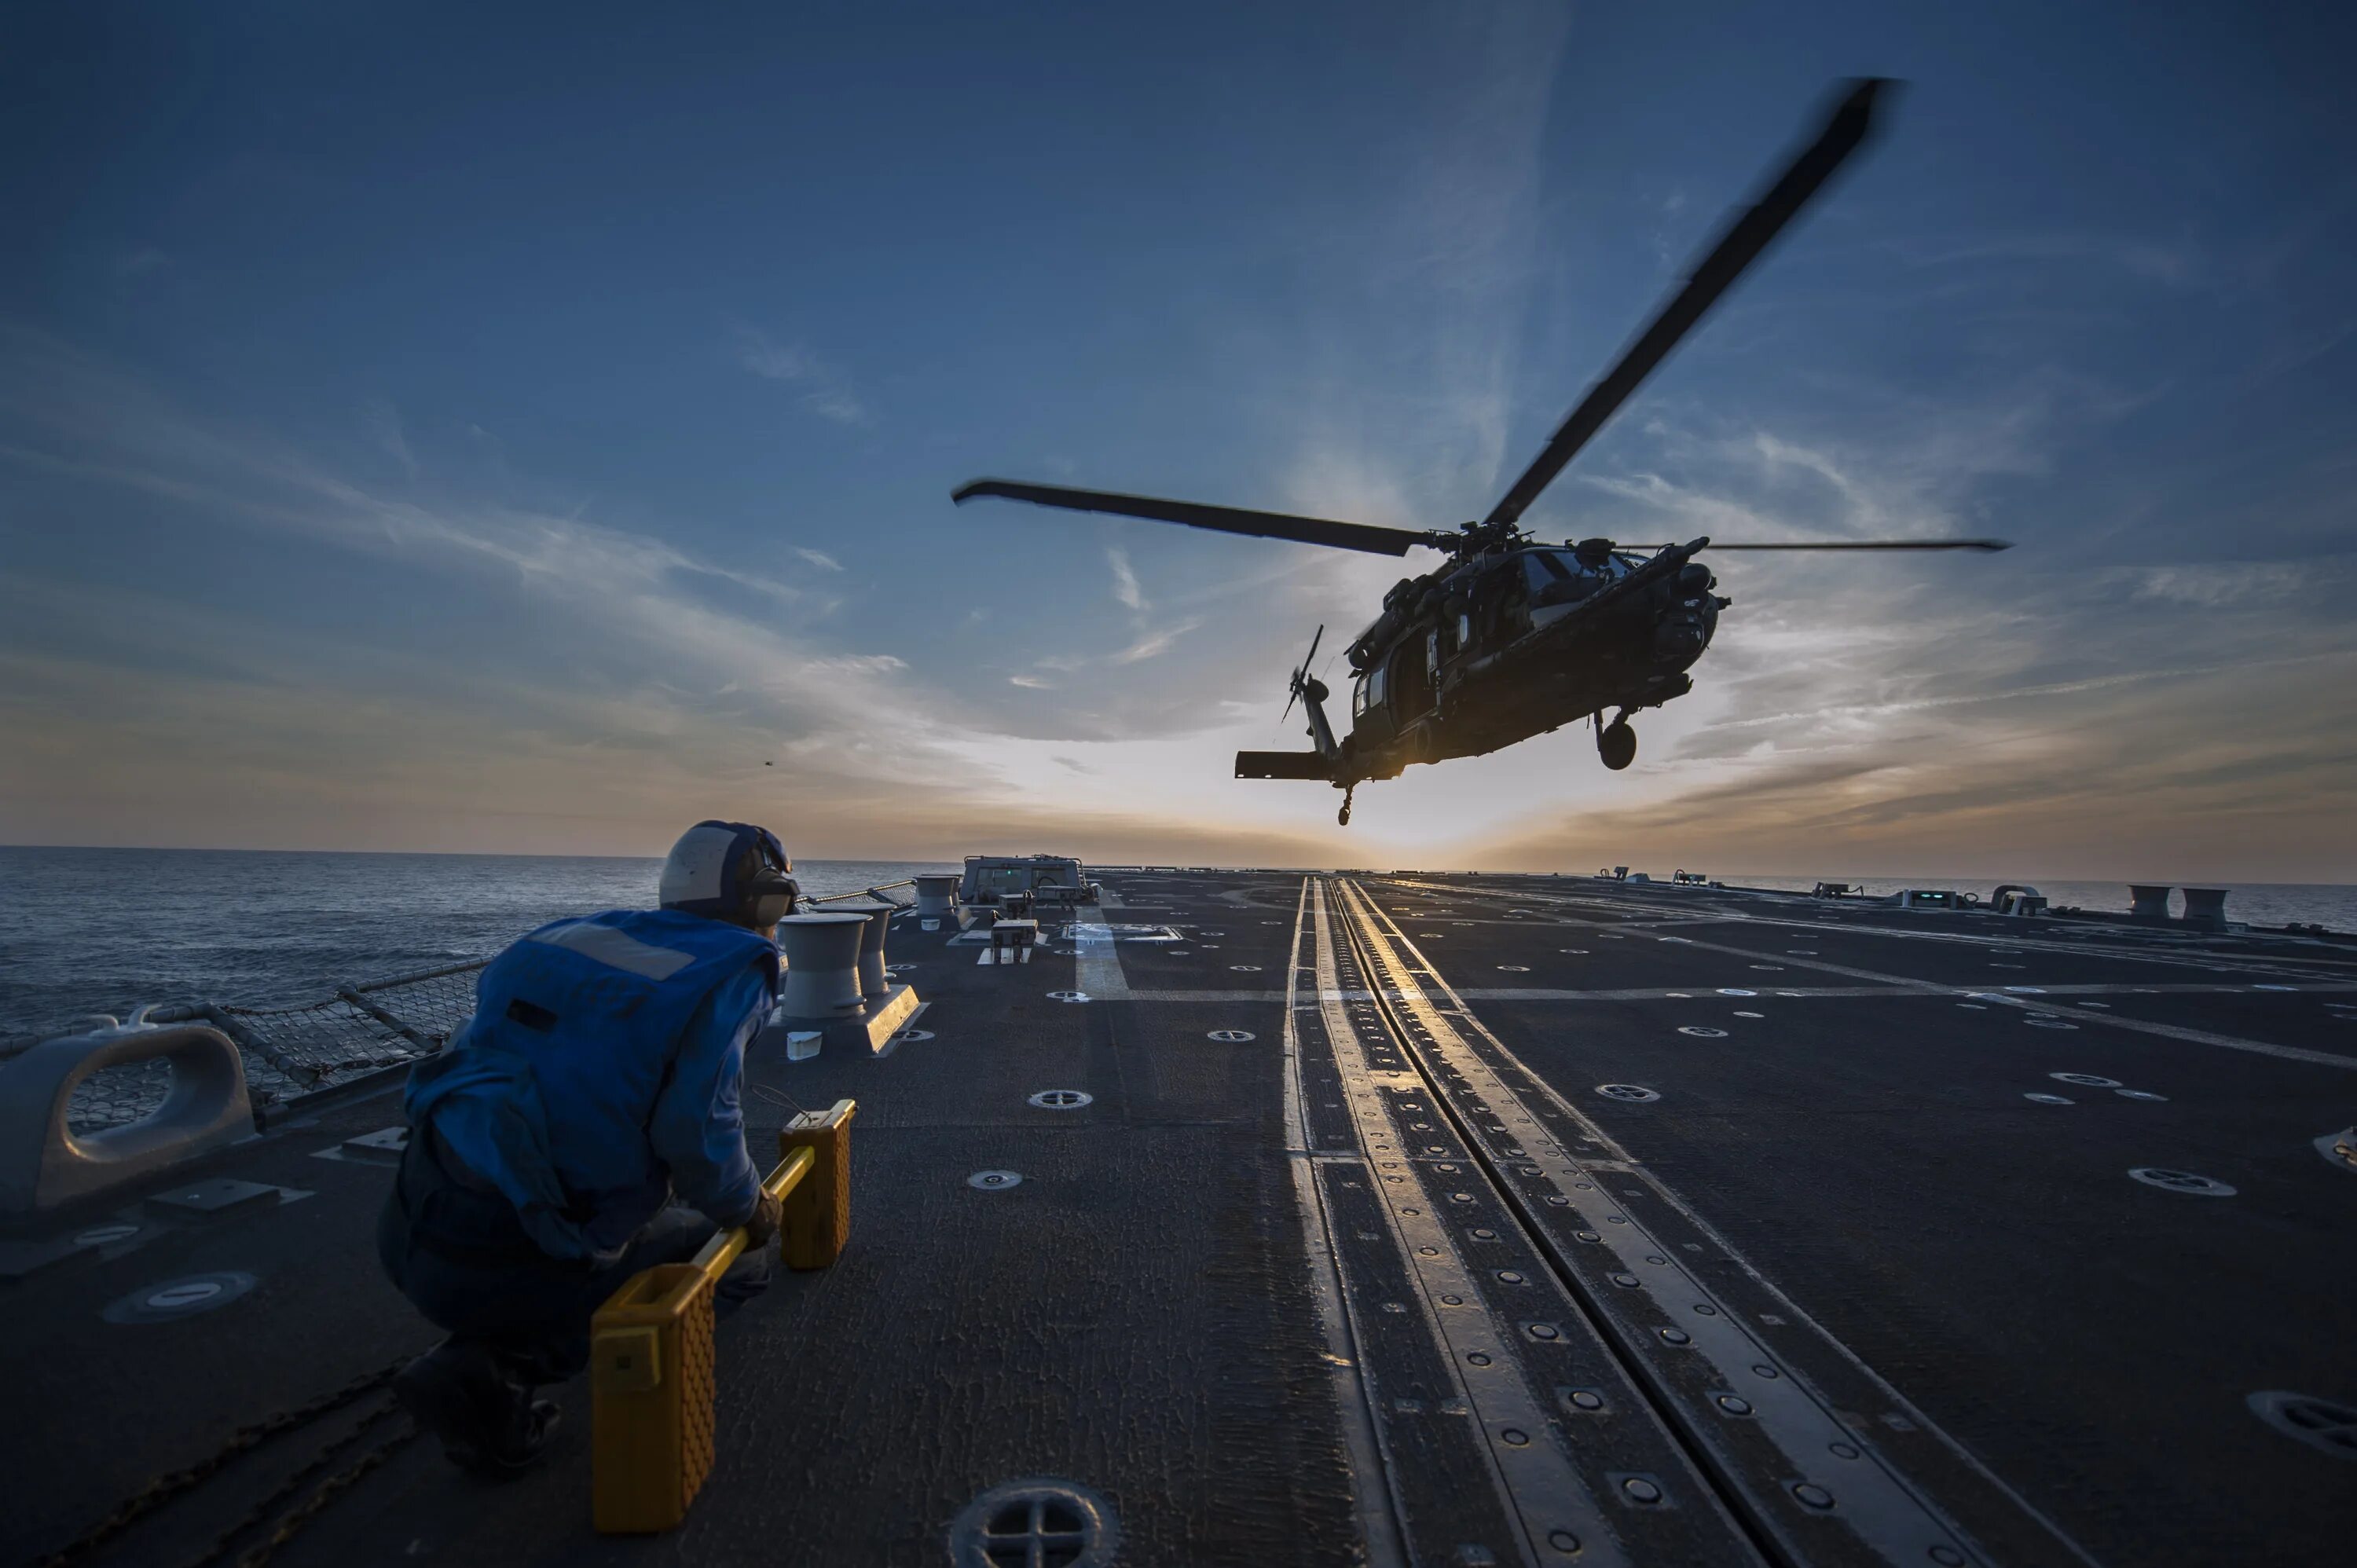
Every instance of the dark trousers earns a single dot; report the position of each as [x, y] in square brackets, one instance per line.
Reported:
[461, 1256]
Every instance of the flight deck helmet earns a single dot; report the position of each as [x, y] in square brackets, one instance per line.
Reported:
[730, 871]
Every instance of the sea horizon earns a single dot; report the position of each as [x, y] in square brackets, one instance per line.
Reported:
[270, 927]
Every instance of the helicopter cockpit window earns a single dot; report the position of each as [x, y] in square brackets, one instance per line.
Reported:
[1556, 578]
[1371, 691]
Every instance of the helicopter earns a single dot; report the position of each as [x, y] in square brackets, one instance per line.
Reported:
[1511, 637]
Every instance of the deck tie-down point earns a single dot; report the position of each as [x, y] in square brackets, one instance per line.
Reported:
[1035, 1521]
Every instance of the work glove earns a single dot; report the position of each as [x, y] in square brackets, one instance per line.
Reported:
[767, 1215]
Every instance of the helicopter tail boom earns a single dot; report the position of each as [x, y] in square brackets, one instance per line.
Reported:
[1283, 765]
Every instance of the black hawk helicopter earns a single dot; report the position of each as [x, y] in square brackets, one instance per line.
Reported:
[1511, 637]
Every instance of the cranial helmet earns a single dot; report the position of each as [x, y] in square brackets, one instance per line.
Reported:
[729, 871]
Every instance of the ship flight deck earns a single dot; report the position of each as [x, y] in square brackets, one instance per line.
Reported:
[1265, 1217]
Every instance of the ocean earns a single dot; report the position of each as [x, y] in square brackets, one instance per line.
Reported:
[102, 930]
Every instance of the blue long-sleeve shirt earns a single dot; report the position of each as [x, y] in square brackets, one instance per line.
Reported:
[601, 1074]
[698, 1126]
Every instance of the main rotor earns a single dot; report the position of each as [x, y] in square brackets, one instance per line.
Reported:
[1747, 233]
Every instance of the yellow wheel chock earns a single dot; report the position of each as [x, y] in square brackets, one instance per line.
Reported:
[651, 1372]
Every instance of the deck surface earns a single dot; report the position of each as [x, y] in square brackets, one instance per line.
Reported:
[1409, 1220]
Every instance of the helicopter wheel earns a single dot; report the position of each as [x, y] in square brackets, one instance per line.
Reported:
[1615, 743]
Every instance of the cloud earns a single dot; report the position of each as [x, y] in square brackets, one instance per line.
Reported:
[1155, 643]
[1031, 682]
[384, 422]
[2177, 263]
[825, 394]
[857, 664]
[1125, 580]
[2220, 582]
[818, 558]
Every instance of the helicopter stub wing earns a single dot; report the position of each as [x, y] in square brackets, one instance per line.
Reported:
[1283, 765]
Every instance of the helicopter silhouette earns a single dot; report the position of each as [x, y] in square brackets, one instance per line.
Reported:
[1511, 637]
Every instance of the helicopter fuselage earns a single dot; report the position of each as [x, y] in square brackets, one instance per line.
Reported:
[1505, 645]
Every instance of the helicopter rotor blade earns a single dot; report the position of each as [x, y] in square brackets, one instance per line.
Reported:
[1864, 545]
[1746, 234]
[1368, 537]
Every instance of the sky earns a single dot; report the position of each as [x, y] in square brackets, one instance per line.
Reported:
[530, 429]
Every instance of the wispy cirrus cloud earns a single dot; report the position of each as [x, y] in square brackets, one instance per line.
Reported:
[1156, 643]
[383, 423]
[824, 391]
[1125, 590]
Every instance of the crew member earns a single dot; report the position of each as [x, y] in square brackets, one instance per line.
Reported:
[582, 1127]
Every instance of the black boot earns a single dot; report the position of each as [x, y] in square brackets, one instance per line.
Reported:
[487, 1422]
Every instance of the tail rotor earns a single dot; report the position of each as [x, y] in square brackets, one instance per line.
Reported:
[1304, 681]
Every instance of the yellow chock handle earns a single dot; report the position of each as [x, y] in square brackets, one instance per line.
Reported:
[652, 1369]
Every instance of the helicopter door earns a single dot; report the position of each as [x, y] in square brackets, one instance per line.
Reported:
[1413, 668]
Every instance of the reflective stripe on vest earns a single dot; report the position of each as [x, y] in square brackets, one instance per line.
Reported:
[617, 950]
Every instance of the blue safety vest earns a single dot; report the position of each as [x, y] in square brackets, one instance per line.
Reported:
[548, 1092]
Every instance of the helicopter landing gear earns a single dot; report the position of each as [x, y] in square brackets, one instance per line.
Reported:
[1343, 817]
[1616, 744]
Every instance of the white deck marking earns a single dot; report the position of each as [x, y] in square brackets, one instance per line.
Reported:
[1099, 962]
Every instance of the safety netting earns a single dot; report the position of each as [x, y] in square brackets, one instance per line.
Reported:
[297, 1049]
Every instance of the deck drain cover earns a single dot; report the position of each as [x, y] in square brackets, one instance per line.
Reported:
[2047, 1099]
[2087, 1078]
[1625, 1092]
[993, 1181]
[2319, 1423]
[905, 1035]
[1702, 1032]
[179, 1298]
[1061, 1099]
[1068, 996]
[2181, 1181]
[1232, 1036]
[1034, 1524]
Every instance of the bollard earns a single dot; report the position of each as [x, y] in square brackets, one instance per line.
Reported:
[2206, 907]
[652, 1369]
[822, 953]
[873, 982]
[2147, 903]
[937, 895]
